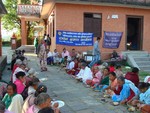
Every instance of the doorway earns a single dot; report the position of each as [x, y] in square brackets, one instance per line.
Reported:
[134, 33]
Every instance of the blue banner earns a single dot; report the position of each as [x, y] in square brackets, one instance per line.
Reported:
[70, 38]
[112, 39]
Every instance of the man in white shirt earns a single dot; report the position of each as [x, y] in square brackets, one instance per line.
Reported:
[50, 59]
[84, 74]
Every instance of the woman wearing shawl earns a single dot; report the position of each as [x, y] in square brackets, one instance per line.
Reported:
[104, 81]
[113, 84]
[30, 99]
[12, 100]
[129, 90]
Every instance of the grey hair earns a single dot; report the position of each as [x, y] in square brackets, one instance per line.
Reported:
[2, 106]
[41, 98]
[121, 78]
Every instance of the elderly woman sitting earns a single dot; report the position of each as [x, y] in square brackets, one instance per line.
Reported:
[42, 101]
[128, 91]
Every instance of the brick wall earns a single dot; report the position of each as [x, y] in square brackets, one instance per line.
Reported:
[69, 17]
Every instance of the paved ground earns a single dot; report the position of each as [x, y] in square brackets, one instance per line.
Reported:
[77, 98]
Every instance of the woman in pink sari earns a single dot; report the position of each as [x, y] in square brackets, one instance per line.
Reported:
[20, 82]
[97, 75]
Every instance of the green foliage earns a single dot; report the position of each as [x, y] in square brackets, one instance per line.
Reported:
[11, 20]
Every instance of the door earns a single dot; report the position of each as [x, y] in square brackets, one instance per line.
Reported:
[134, 33]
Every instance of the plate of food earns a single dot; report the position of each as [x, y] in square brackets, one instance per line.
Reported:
[115, 103]
[58, 103]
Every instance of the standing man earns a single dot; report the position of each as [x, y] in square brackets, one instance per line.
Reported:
[35, 44]
[96, 52]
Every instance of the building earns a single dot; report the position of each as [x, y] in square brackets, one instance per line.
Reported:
[132, 17]
[2, 12]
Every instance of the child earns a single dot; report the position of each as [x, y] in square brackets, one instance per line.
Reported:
[97, 75]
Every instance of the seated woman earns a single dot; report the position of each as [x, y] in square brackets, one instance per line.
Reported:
[113, 84]
[112, 67]
[96, 64]
[30, 99]
[97, 75]
[147, 79]
[20, 82]
[12, 100]
[104, 81]
[42, 101]
[118, 71]
[129, 90]
[49, 110]
[144, 97]
[84, 74]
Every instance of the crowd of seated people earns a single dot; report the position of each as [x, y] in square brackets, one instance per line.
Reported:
[110, 79]
[24, 93]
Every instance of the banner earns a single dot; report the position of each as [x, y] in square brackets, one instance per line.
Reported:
[112, 39]
[70, 38]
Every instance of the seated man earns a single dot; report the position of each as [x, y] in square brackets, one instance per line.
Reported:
[65, 53]
[133, 76]
[84, 74]
[73, 53]
[56, 57]
[50, 59]
[115, 56]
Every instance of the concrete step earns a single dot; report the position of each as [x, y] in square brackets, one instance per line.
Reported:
[135, 53]
[144, 67]
[27, 48]
[147, 71]
[143, 63]
[141, 58]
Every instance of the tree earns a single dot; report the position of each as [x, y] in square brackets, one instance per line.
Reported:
[12, 20]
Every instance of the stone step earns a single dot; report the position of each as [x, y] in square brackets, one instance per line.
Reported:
[147, 71]
[143, 63]
[27, 48]
[144, 68]
[142, 58]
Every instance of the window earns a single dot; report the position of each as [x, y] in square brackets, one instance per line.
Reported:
[93, 24]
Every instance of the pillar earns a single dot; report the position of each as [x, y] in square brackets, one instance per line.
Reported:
[0, 39]
[23, 32]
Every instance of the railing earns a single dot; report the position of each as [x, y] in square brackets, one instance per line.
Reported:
[127, 2]
[29, 10]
